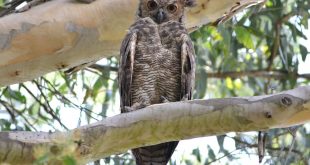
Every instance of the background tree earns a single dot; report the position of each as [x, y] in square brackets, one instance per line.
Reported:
[256, 52]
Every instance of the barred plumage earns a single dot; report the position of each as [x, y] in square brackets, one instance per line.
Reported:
[157, 61]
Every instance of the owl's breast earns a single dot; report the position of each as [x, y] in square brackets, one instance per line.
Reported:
[157, 64]
[148, 43]
[171, 35]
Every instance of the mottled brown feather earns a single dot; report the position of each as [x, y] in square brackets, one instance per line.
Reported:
[156, 60]
[188, 67]
[126, 69]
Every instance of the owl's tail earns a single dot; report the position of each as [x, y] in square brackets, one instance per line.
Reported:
[158, 154]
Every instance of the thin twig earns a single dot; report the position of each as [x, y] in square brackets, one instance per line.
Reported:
[49, 111]
[276, 74]
[11, 110]
[293, 133]
[62, 97]
[277, 43]
[269, 148]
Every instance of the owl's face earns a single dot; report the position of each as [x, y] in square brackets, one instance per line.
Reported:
[164, 10]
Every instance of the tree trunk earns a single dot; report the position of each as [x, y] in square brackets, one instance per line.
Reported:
[64, 33]
[157, 124]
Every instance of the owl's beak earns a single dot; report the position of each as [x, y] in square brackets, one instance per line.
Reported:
[160, 16]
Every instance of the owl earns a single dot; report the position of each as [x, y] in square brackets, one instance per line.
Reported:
[157, 64]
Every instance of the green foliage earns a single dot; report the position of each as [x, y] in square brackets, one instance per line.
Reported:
[303, 51]
[68, 160]
[256, 41]
[244, 36]
[196, 153]
[211, 155]
[64, 160]
[41, 160]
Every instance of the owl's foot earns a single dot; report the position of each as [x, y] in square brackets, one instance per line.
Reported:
[185, 98]
[163, 99]
[134, 107]
[128, 109]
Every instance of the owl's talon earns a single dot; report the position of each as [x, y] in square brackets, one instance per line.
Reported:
[134, 107]
[185, 98]
[129, 109]
[164, 99]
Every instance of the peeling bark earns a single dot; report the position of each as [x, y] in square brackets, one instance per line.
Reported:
[160, 123]
[64, 33]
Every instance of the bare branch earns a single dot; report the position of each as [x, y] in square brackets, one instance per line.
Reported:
[277, 45]
[161, 123]
[278, 149]
[276, 74]
[62, 34]
[46, 107]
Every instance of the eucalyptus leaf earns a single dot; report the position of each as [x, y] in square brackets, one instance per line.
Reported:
[68, 160]
[304, 52]
[244, 36]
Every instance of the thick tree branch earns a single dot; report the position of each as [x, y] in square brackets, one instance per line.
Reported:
[64, 33]
[160, 123]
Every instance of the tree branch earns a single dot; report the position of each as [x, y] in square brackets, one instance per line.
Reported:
[276, 74]
[278, 149]
[277, 44]
[62, 34]
[160, 123]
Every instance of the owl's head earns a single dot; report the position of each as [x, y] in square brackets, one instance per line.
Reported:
[164, 10]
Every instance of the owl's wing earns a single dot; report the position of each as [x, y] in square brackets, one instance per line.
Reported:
[127, 55]
[188, 67]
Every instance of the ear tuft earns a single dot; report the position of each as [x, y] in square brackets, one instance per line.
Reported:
[190, 3]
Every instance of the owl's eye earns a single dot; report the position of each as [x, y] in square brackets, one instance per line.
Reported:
[172, 8]
[152, 5]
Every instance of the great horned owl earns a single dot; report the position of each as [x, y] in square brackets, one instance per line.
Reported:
[157, 64]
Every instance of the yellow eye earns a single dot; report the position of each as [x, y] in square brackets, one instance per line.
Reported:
[172, 8]
[152, 5]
